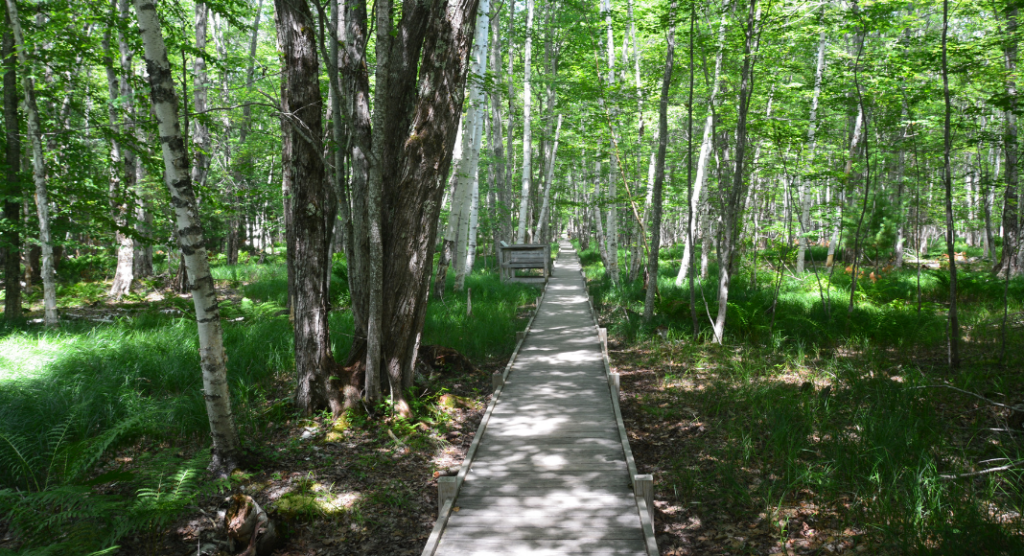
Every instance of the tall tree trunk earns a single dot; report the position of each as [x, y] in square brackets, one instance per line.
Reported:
[543, 226]
[1011, 210]
[503, 212]
[12, 186]
[122, 173]
[314, 207]
[524, 201]
[355, 83]
[469, 167]
[659, 170]
[731, 221]
[201, 142]
[189, 231]
[805, 199]
[456, 216]
[421, 75]
[705, 150]
[954, 323]
[611, 224]
[38, 171]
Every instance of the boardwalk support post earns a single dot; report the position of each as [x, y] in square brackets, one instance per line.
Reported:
[446, 487]
[496, 380]
[602, 334]
[613, 381]
[643, 485]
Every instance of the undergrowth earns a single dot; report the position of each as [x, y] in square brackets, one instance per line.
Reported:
[70, 397]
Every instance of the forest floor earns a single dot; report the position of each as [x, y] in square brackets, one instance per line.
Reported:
[354, 485]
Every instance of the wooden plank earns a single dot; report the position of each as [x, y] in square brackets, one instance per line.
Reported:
[538, 547]
[473, 490]
[467, 518]
[594, 534]
[620, 501]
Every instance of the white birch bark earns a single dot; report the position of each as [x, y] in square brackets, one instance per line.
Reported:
[837, 222]
[805, 200]
[189, 231]
[38, 171]
[549, 175]
[524, 202]
[611, 226]
[469, 168]
[201, 142]
[705, 150]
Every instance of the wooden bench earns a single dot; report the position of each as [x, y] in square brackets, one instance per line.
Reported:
[524, 257]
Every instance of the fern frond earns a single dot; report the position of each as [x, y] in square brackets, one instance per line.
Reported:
[13, 450]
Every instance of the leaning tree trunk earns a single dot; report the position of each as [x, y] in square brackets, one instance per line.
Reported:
[12, 187]
[543, 225]
[705, 153]
[456, 215]
[314, 207]
[38, 171]
[659, 171]
[189, 231]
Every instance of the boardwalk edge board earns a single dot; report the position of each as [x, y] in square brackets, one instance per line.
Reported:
[444, 513]
[646, 484]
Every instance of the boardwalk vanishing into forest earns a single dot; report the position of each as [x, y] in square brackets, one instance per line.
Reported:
[550, 470]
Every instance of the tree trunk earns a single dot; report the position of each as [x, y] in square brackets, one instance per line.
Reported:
[12, 185]
[421, 75]
[543, 227]
[38, 171]
[313, 206]
[122, 161]
[954, 323]
[611, 225]
[201, 135]
[805, 199]
[503, 211]
[1011, 227]
[189, 231]
[524, 201]
[456, 213]
[355, 84]
[705, 152]
[659, 170]
[731, 223]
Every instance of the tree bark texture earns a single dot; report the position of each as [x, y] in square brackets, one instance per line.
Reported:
[1011, 210]
[313, 208]
[705, 151]
[190, 235]
[659, 170]
[524, 202]
[38, 171]
[12, 186]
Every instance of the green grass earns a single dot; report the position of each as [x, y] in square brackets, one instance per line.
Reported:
[872, 451]
[69, 396]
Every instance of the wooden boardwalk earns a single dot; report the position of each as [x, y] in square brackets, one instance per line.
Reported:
[550, 471]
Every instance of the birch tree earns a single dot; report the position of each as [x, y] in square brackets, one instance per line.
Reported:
[191, 239]
[35, 137]
[705, 151]
[524, 192]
